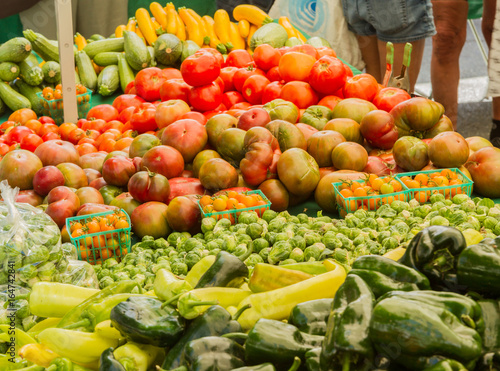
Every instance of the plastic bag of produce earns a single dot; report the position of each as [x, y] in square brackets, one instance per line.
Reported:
[79, 273]
[30, 242]
[14, 307]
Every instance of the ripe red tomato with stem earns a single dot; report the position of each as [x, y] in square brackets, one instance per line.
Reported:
[327, 75]
[244, 73]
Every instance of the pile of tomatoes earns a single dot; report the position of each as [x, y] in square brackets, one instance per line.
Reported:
[98, 238]
[230, 204]
[369, 193]
[423, 185]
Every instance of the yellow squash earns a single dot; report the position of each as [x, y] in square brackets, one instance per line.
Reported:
[159, 13]
[119, 30]
[193, 29]
[244, 28]
[236, 39]
[80, 41]
[252, 14]
[285, 22]
[146, 25]
[214, 40]
[131, 25]
[171, 19]
[222, 26]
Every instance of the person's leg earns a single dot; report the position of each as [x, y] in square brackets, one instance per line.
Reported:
[417, 54]
[450, 18]
[370, 52]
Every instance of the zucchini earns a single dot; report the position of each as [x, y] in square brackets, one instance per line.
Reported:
[108, 80]
[15, 50]
[151, 51]
[136, 52]
[106, 45]
[124, 72]
[30, 92]
[12, 98]
[9, 71]
[168, 49]
[52, 72]
[106, 58]
[96, 37]
[42, 46]
[188, 48]
[30, 71]
[3, 107]
[88, 77]
[77, 78]
[273, 34]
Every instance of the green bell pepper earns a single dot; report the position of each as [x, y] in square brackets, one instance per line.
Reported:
[108, 362]
[278, 342]
[464, 308]
[214, 322]
[422, 333]
[213, 353]
[311, 316]
[60, 364]
[434, 251]
[347, 345]
[478, 267]
[142, 319]
[226, 271]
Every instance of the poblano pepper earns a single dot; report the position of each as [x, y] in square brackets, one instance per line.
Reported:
[213, 353]
[490, 361]
[143, 320]
[464, 308]
[423, 334]
[347, 345]
[313, 357]
[434, 251]
[107, 362]
[226, 271]
[478, 267]
[311, 316]
[214, 322]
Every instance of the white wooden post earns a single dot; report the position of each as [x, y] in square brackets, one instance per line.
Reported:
[64, 18]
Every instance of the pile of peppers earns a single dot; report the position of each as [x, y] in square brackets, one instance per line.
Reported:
[437, 308]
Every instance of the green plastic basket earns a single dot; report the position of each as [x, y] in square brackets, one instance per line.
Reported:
[233, 214]
[92, 252]
[54, 107]
[447, 191]
[351, 204]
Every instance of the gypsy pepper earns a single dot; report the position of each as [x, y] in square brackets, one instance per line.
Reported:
[60, 364]
[464, 308]
[199, 269]
[311, 316]
[167, 285]
[277, 342]
[278, 304]
[421, 332]
[478, 267]
[136, 357]
[107, 362]
[142, 319]
[313, 268]
[267, 277]
[213, 353]
[38, 354]
[106, 330]
[347, 345]
[434, 251]
[226, 271]
[193, 303]
[214, 322]
[75, 314]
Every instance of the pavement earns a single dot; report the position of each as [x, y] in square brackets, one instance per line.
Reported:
[474, 108]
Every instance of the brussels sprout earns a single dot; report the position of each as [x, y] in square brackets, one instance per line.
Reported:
[179, 268]
[287, 261]
[191, 259]
[120, 276]
[312, 238]
[413, 204]
[385, 211]
[344, 230]
[240, 250]
[361, 250]
[281, 236]
[399, 205]
[494, 212]
[496, 230]
[360, 214]
[303, 218]
[214, 251]
[189, 244]
[36, 255]
[297, 254]
[243, 238]
[463, 226]
[401, 228]
[390, 243]
[468, 205]
[27, 272]
[431, 215]
[317, 225]
[280, 251]
[208, 224]
[352, 221]
[228, 243]
[382, 223]
[160, 243]
[293, 219]
[270, 237]
[46, 271]
[313, 252]
[277, 224]
[370, 223]
[248, 217]
[439, 220]
[253, 259]
[264, 253]
[458, 216]
[111, 262]
[437, 197]
[214, 244]
[331, 243]
[359, 240]
[175, 239]
[259, 244]
[341, 255]
[346, 242]
[162, 265]
[489, 203]
[106, 281]
[269, 215]
[298, 241]
[490, 222]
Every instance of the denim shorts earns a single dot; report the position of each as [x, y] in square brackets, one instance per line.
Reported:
[397, 21]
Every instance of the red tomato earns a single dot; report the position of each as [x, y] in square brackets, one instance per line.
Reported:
[30, 142]
[127, 100]
[200, 69]
[16, 134]
[215, 53]
[272, 91]
[244, 73]
[296, 66]
[175, 89]
[254, 87]
[76, 135]
[324, 50]
[348, 71]
[126, 114]
[300, 93]
[274, 74]
[363, 86]
[220, 82]
[50, 136]
[195, 116]
[238, 58]
[46, 120]
[97, 125]
[143, 118]
[306, 49]
[327, 75]
[241, 106]
[387, 98]
[4, 148]
[266, 57]
[171, 73]
[206, 97]
[48, 128]
[148, 82]
[227, 74]
[230, 98]
[329, 101]
[283, 49]
[103, 111]
[130, 86]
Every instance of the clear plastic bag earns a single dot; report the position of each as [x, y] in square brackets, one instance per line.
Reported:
[79, 273]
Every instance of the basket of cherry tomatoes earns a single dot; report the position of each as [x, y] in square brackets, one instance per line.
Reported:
[52, 101]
